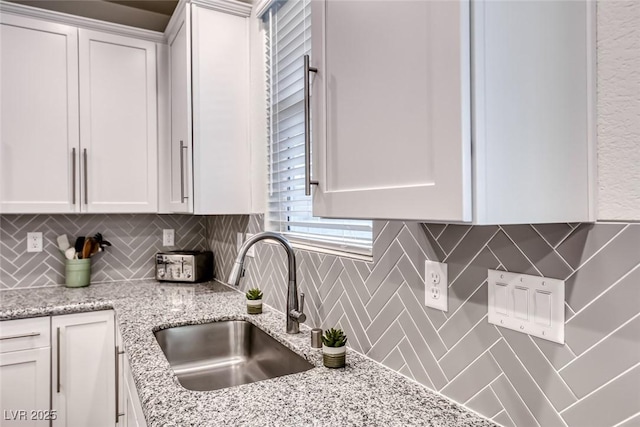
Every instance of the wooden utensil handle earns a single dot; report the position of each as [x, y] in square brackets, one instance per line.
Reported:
[86, 249]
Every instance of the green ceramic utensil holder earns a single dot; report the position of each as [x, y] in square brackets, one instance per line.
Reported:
[78, 273]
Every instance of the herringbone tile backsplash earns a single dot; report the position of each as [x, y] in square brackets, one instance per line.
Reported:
[135, 239]
[516, 380]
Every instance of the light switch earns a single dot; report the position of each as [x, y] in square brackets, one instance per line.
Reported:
[529, 304]
[500, 290]
[521, 303]
[542, 304]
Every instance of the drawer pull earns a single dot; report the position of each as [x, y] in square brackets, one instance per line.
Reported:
[12, 337]
[182, 171]
[117, 384]
[58, 360]
[86, 178]
[73, 172]
[308, 182]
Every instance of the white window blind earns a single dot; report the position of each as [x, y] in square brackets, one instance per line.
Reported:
[288, 39]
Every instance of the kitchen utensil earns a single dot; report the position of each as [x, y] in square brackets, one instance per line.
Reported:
[95, 247]
[70, 253]
[79, 245]
[63, 242]
[86, 248]
[101, 241]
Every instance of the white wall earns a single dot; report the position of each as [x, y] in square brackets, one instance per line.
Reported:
[618, 110]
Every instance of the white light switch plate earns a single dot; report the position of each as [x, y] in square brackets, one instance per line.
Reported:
[436, 285]
[533, 305]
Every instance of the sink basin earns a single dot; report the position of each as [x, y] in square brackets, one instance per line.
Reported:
[217, 355]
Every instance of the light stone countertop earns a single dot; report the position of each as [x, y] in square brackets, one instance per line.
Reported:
[364, 393]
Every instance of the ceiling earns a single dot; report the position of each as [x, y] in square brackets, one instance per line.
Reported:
[148, 14]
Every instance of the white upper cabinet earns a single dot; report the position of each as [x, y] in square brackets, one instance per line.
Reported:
[207, 163]
[38, 116]
[176, 154]
[118, 125]
[220, 70]
[78, 120]
[447, 111]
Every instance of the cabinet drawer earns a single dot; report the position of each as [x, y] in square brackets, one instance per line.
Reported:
[24, 334]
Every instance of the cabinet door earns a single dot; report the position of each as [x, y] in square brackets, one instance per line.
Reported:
[120, 386]
[181, 160]
[391, 109]
[118, 115]
[133, 409]
[222, 177]
[24, 387]
[38, 116]
[534, 95]
[83, 380]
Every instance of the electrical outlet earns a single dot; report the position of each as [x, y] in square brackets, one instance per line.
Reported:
[168, 237]
[434, 276]
[252, 250]
[34, 242]
[436, 285]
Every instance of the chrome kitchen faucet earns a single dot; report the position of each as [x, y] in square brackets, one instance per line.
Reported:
[295, 314]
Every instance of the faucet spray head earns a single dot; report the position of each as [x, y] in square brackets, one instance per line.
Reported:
[236, 273]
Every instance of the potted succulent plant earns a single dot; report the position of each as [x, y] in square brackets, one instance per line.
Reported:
[254, 301]
[334, 350]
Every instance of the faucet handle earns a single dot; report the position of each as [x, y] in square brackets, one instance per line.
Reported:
[299, 315]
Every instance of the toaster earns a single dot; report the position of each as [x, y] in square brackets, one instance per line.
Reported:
[184, 266]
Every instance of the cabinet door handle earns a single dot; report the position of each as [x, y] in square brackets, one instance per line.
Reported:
[58, 360]
[182, 170]
[308, 182]
[73, 174]
[86, 178]
[117, 383]
[12, 337]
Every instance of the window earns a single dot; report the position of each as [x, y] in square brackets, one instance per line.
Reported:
[288, 39]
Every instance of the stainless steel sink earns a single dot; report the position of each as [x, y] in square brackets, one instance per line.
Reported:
[216, 355]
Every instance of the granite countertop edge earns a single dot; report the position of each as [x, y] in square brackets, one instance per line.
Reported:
[363, 393]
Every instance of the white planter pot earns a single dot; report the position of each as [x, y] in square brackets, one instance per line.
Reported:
[334, 357]
[254, 306]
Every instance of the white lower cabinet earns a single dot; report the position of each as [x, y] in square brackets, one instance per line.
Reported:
[25, 387]
[25, 361]
[83, 364]
[133, 415]
[129, 408]
[67, 370]
[120, 388]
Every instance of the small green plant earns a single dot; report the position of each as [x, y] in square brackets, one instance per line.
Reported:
[254, 294]
[334, 338]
